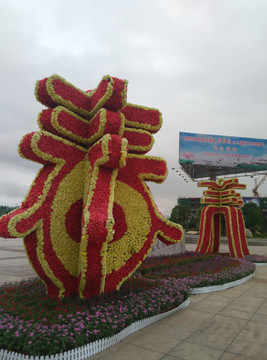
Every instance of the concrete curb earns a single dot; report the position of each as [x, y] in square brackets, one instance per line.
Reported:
[213, 288]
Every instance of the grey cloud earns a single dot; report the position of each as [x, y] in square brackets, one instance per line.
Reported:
[12, 189]
[12, 193]
[203, 64]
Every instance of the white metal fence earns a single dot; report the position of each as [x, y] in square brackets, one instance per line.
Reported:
[91, 349]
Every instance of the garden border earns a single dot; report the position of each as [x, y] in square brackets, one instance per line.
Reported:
[260, 264]
[95, 347]
[213, 288]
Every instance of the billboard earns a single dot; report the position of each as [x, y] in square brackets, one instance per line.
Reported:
[201, 155]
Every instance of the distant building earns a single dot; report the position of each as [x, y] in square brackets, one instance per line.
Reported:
[263, 206]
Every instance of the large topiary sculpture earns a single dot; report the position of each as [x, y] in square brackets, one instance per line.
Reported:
[89, 219]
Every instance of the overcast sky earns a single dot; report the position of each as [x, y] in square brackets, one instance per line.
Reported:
[202, 63]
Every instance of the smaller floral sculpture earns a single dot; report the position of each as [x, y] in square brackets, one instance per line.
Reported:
[222, 199]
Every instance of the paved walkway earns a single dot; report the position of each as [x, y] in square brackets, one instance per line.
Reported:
[226, 325]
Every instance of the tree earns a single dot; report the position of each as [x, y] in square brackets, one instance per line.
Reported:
[196, 218]
[6, 209]
[253, 217]
[181, 214]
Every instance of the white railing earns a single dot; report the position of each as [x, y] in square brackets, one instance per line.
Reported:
[91, 349]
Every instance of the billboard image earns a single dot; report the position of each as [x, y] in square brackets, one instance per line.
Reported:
[200, 154]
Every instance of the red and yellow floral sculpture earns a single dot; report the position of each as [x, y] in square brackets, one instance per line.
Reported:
[89, 219]
[222, 199]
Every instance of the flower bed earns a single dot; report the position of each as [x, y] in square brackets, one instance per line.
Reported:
[29, 319]
[257, 259]
[198, 269]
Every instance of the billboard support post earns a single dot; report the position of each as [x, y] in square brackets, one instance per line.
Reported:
[212, 175]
